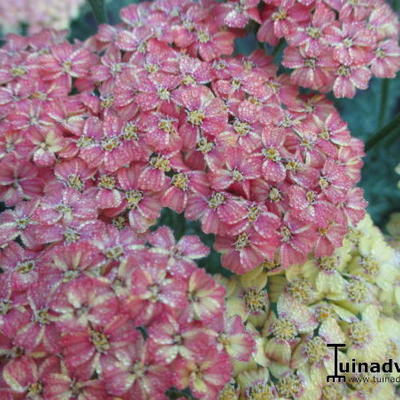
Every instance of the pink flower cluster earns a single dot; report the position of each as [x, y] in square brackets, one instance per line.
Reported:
[334, 45]
[164, 120]
[114, 315]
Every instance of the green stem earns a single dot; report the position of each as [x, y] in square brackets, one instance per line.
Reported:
[391, 127]
[384, 100]
[99, 10]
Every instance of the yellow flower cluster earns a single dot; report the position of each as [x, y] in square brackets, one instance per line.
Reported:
[352, 297]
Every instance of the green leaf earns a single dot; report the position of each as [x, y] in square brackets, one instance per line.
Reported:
[379, 180]
[99, 10]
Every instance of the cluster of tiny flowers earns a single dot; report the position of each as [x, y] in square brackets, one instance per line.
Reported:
[114, 314]
[164, 120]
[331, 44]
[37, 14]
[351, 298]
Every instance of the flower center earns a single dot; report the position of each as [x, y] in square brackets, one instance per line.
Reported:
[71, 236]
[286, 234]
[274, 195]
[253, 213]
[43, 317]
[74, 181]
[107, 101]
[204, 146]
[22, 223]
[133, 198]
[203, 37]
[35, 389]
[196, 117]
[111, 143]
[344, 70]
[166, 125]
[289, 386]
[84, 141]
[5, 307]
[271, 154]
[300, 289]
[181, 181]
[114, 253]
[188, 80]
[216, 200]
[25, 267]
[99, 341]
[255, 300]
[107, 182]
[164, 94]
[316, 350]
[279, 15]
[369, 265]
[242, 241]
[310, 62]
[151, 68]
[18, 71]
[241, 128]
[161, 163]
[130, 131]
[328, 263]
[237, 176]
[356, 290]
[284, 329]
[313, 32]
[259, 391]
[358, 333]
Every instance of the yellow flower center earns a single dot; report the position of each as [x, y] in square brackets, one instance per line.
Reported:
[63, 209]
[164, 94]
[292, 165]
[216, 200]
[99, 341]
[188, 80]
[310, 62]
[25, 267]
[323, 182]
[204, 146]
[181, 181]
[271, 154]
[328, 263]
[325, 311]
[203, 37]
[286, 234]
[242, 241]
[241, 128]
[119, 222]
[84, 141]
[35, 389]
[67, 66]
[358, 333]
[343, 70]
[74, 181]
[228, 393]
[18, 71]
[107, 101]
[70, 275]
[284, 329]
[274, 194]
[253, 213]
[111, 143]
[196, 117]
[279, 15]
[237, 176]
[166, 125]
[348, 42]
[300, 289]
[22, 223]
[313, 32]
[130, 131]
[71, 236]
[380, 53]
[133, 198]
[43, 317]
[5, 307]
[316, 350]
[289, 386]
[259, 391]
[151, 68]
[356, 290]
[255, 300]
[370, 266]
[107, 182]
[161, 163]
[114, 253]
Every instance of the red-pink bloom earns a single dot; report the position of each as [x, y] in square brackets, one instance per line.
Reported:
[131, 371]
[25, 376]
[245, 251]
[206, 374]
[205, 297]
[297, 239]
[181, 253]
[237, 13]
[19, 180]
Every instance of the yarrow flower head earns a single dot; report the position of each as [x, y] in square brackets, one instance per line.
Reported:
[349, 297]
[98, 138]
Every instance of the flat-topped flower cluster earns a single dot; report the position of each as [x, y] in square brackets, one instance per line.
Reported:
[96, 138]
